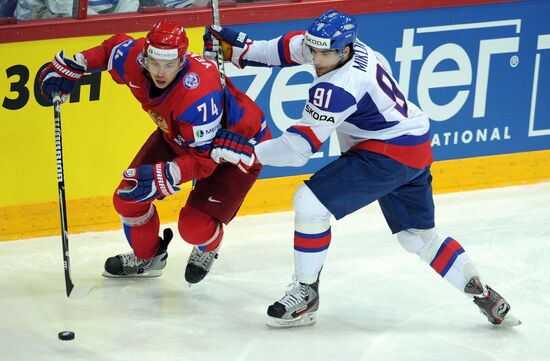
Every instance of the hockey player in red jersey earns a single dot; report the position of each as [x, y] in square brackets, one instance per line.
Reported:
[182, 93]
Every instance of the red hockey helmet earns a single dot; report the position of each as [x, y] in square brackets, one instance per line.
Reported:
[166, 41]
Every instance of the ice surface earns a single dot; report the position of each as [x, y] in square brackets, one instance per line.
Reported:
[377, 301]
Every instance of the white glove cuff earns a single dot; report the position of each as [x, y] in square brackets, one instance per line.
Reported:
[238, 54]
[175, 171]
[81, 60]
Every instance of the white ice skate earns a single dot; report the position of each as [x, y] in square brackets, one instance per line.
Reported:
[199, 264]
[491, 304]
[127, 265]
[297, 308]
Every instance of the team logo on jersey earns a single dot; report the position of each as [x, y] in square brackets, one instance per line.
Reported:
[206, 132]
[315, 115]
[159, 120]
[191, 81]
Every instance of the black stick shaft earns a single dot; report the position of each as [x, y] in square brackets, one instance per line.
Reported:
[216, 20]
[219, 58]
[61, 191]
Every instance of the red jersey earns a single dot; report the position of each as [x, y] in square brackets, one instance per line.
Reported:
[189, 111]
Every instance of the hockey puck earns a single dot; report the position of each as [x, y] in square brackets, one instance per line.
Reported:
[66, 335]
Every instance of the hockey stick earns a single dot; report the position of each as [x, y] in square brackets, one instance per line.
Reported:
[72, 291]
[219, 56]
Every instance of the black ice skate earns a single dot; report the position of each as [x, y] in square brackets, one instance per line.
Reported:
[128, 265]
[297, 308]
[491, 303]
[199, 264]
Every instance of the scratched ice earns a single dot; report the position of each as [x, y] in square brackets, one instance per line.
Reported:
[377, 301]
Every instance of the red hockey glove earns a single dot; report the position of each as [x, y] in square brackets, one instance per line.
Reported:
[61, 76]
[151, 181]
[231, 147]
[234, 44]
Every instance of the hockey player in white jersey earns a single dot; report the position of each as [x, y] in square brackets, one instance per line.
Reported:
[386, 156]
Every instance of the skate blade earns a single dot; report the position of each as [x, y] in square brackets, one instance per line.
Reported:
[80, 292]
[510, 321]
[149, 274]
[307, 319]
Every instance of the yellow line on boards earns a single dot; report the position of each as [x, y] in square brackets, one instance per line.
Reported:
[269, 195]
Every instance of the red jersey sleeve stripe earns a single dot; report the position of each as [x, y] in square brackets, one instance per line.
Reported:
[284, 48]
[305, 132]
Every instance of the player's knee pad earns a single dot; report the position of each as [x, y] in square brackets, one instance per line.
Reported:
[132, 209]
[198, 228]
[309, 211]
[423, 242]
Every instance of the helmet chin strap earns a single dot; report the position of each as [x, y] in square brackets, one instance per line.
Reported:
[183, 59]
[341, 60]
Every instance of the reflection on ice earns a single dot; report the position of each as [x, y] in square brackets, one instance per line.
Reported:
[377, 301]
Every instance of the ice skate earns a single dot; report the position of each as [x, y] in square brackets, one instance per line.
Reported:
[297, 308]
[199, 264]
[129, 266]
[491, 303]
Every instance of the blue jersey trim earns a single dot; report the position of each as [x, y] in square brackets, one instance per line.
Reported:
[339, 101]
[281, 52]
[127, 229]
[192, 115]
[203, 148]
[234, 113]
[256, 63]
[119, 60]
[368, 116]
[262, 132]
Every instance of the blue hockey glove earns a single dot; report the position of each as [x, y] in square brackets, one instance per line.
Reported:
[233, 148]
[61, 75]
[151, 181]
[234, 44]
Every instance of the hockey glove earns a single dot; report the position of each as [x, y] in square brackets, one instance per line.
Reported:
[234, 44]
[61, 75]
[231, 147]
[211, 46]
[151, 181]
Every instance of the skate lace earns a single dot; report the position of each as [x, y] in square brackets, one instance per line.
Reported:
[130, 260]
[295, 294]
[202, 258]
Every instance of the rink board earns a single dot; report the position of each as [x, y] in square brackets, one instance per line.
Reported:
[484, 79]
[270, 195]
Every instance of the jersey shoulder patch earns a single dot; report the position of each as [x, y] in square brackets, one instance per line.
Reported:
[330, 97]
[126, 57]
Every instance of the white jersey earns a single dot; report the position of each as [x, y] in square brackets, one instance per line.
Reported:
[359, 100]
